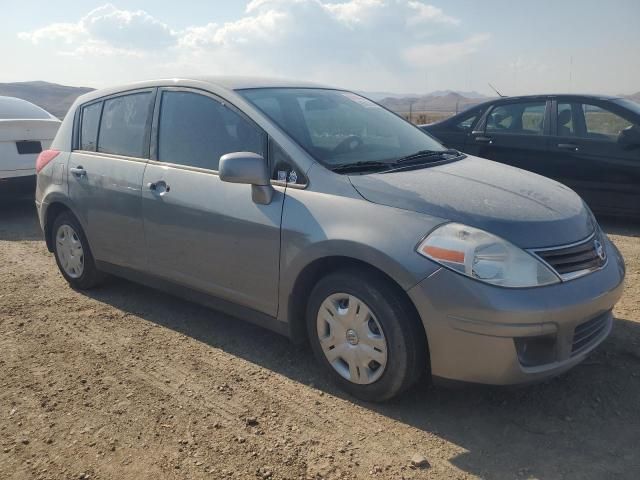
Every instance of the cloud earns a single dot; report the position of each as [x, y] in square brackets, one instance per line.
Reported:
[66, 32]
[528, 66]
[126, 29]
[322, 40]
[430, 55]
[107, 30]
[300, 33]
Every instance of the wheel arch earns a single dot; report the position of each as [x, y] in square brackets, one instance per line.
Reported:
[54, 209]
[319, 268]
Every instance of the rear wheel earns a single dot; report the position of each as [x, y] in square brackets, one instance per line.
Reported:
[366, 334]
[73, 254]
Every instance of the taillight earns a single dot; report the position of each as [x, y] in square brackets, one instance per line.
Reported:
[45, 157]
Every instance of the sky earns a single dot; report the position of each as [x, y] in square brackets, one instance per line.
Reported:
[401, 46]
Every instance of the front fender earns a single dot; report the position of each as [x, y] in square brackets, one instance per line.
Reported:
[317, 226]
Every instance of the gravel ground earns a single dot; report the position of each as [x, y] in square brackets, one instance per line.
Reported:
[128, 383]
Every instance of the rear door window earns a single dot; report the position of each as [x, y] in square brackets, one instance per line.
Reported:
[583, 120]
[196, 130]
[526, 118]
[602, 124]
[123, 125]
[90, 120]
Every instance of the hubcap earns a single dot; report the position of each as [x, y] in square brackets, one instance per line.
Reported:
[351, 338]
[69, 250]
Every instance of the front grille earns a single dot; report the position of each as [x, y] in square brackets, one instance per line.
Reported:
[574, 260]
[588, 332]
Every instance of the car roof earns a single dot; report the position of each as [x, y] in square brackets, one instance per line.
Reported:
[541, 96]
[240, 83]
[12, 108]
[228, 83]
[573, 95]
[577, 96]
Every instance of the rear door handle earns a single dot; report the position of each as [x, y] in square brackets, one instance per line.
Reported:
[78, 171]
[568, 146]
[160, 187]
[484, 139]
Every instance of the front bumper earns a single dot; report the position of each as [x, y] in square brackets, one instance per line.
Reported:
[474, 328]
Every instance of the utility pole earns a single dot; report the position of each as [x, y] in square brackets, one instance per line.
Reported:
[570, 73]
[411, 102]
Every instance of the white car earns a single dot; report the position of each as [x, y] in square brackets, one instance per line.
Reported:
[25, 130]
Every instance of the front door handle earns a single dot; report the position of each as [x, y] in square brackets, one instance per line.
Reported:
[160, 187]
[78, 171]
[568, 146]
[482, 139]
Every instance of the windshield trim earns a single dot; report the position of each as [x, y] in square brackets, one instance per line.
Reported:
[313, 156]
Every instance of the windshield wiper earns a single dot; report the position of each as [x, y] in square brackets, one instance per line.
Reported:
[430, 154]
[361, 166]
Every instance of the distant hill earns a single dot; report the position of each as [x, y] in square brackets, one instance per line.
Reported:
[470, 94]
[55, 99]
[439, 102]
[377, 96]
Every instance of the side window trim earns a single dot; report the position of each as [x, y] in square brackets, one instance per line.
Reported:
[99, 126]
[77, 127]
[155, 125]
[553, 120]
[546, 125]
[148, 126]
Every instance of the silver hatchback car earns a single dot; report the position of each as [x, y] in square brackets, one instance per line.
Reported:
[323, 216]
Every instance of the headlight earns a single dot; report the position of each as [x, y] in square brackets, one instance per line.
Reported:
[483, 256]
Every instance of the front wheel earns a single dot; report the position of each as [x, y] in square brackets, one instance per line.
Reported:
[364, 331]
[73, 254]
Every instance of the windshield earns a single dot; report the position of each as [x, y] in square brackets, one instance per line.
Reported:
[340, 128]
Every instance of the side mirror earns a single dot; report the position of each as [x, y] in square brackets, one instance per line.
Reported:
[251, 169]
[630, 137]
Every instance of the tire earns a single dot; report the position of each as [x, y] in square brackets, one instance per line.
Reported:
[392, 322]
[66, 226]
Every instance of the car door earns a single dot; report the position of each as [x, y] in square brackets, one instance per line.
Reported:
[202, 232]
[589, 157]
[105, 175]
[513, 133]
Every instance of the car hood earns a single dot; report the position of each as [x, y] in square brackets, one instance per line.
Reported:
[527, 209]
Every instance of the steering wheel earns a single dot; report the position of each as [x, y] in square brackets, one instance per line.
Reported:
[349, 144]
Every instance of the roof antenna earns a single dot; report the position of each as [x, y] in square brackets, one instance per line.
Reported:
[496, 90]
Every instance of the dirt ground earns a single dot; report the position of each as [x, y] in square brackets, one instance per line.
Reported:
[128, 383]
